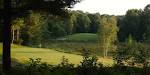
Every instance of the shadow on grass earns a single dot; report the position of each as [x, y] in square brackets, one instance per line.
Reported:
[88, 66]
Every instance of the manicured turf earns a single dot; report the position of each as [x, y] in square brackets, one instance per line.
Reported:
[82, 37]
[22, 54]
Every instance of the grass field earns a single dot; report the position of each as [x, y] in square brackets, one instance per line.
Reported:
[22, 54]
[82, 37]
[76, 42]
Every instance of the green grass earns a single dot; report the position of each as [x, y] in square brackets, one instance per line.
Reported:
[82, 37]
[76, 42]
[74, 47]
[22, 54]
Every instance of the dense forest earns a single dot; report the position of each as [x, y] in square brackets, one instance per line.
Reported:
[38, 27]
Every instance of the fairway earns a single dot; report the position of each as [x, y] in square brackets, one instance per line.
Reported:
[82, 37]
[22, 54]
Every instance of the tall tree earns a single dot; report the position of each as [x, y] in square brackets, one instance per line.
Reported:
[6, 35]
[82, 23]
[32, 29]
[131, 25]
[56, 26]
[107, 33]
[94, 22]
[70, 22]
[16, 26]
[146, 22]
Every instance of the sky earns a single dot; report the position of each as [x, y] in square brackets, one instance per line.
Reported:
[111, 7]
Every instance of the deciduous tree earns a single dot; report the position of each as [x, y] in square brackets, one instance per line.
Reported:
[107, 33]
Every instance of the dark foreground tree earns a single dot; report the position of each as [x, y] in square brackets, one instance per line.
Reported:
[6, 35]
[12, 7]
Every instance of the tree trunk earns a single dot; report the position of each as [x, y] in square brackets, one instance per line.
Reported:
[7, 37]
[17, 35]
[13, 34]
[106, 49]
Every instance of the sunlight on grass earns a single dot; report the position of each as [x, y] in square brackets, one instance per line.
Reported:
[22, 54]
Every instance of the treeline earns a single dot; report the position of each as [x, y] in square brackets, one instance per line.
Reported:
[37, 28]
[136, 23]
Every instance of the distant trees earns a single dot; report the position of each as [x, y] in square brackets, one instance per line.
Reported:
[31, 32]
[16, 26]
[41, 27]
[146, 22]
[82, 22]
[136, 23]
[107, 33]
[56, 27]
[130, 25]
[94, 24]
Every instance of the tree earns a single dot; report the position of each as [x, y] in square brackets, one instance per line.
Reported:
[130, 25]
[31, 34]
[146, 22]
[70, 22]
[12, 7]
[16, 26]
[82, 22]
[125, 52]
[56, 27]
[93, 28]
[107, 33]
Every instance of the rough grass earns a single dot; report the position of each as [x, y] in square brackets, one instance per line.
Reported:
[75, 42]
[74, 47]
[22, 54]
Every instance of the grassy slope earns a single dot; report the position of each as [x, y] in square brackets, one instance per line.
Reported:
[82, 37]
[22, 53]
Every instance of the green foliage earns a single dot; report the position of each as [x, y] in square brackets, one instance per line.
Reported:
[132, 54]
[65, 63]
[31, 32]
[82, 22]
[18, 23]
[146, 22]
[16, 26]
[89, 64]
[56, 27]
[142, 55]
[36, 67]
[125, 52]
[95, 22]
[107, 33]
[131, 25]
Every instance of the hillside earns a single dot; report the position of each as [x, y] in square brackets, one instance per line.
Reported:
[22, 54]
[82, 37]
